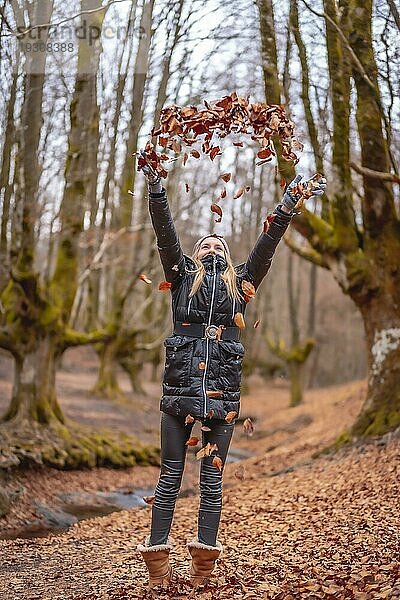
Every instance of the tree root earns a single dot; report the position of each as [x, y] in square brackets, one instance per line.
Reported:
[69, 446]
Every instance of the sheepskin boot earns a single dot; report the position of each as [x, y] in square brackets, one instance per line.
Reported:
[157, 562]
[203, 561]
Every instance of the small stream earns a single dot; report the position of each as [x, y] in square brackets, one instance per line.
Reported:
[81, 505]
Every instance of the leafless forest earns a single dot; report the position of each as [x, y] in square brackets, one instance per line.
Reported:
[82, 85]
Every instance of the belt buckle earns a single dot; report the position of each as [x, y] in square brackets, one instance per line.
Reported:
[211, 331]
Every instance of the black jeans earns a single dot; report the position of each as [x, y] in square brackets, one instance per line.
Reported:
[174, 435]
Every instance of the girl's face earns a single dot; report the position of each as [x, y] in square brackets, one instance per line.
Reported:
[211, 245]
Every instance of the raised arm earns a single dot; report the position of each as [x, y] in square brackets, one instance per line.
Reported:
[260, 258]
[168, 243]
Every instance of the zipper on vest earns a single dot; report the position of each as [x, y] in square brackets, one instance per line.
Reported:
[208, 339]
[188, 307]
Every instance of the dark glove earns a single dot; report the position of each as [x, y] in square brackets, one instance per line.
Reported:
[290, 198]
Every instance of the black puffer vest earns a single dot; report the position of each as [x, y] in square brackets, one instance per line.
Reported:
[188, 388]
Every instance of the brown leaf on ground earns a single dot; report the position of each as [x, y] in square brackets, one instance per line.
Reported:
[239, 472]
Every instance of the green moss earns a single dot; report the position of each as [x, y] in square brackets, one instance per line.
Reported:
[342, 440]
[375, 423]
[77, 447]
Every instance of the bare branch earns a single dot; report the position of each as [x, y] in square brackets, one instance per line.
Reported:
[302, 250]
[21, 34]
[374, 174]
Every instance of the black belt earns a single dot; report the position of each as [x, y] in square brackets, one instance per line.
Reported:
[202, 330]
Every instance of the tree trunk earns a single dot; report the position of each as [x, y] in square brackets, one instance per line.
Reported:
[381, 410]
[296, 374]
[107, 381]
[133, 369]
[34, 397]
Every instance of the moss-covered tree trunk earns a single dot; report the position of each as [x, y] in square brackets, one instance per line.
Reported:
[296, 374]
[35, 319]
[381, 410]
[33, 396]
[107, 380]
[360, 248]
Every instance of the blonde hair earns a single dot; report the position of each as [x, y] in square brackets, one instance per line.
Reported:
[228, 276]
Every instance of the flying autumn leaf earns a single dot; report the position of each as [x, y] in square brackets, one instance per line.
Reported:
[205, 428]
[230, 416]
[195, 153]
[239, 320]
[149, 499]
[206, 450]
[210, 413]
[248, 288]
[189, 419]
[225, 177]
[164, 285]
[223, 193]
[248, 427]
[238, 144]
[202, 365]
[192, 441]
[217, 209]
[144, 278]
[264, 153]
[214, 152]
[238, 193]
[217, 462]
[214, 393]
[268, 222]
[256, 323]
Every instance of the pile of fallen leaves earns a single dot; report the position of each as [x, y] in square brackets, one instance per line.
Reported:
[327, 530]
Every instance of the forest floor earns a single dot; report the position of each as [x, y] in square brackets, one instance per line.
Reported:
[292, 527]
